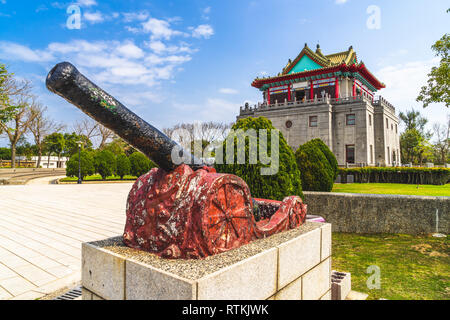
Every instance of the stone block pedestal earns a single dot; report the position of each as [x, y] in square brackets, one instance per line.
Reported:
[292, 265]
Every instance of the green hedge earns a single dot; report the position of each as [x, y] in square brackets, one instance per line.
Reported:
[436, 176]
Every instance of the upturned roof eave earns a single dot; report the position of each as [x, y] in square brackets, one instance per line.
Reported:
[361, 68]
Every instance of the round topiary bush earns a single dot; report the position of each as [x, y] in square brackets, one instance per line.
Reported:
[140, 164]
[316, 172]
[282, 182]
[328, 154]
[123, 165]
[105, 163]
[87, 165]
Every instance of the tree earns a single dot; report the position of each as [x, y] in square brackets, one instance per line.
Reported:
[442, 143]
[86, 165]
[123, 165]
[140, 164]
[54, 144]
[437, 89]
[5, 153]
[329, 155]
[104, 163]
[414, 140]
[24, 148]
[119, 146]
[21, 119]
[12, 94]
[40, 127]
[92, 129]
[414, 147]
[71, 143]
[285, 182]
[413, 120]
[316, 171]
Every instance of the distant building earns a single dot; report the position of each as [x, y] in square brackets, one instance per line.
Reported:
[331, 97]
[46, 162]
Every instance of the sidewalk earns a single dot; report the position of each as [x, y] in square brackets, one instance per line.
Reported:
[42, 228]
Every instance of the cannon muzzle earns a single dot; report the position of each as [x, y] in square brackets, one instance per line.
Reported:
[66, 81]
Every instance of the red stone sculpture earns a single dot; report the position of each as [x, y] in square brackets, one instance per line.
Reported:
[195, 214]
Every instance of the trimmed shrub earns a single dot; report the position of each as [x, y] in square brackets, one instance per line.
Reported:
[328, 154]
[105, 163]
[140, 164]
[315, 169]
[5, 153]
[285, 182]
[435, 176]
[87, 165]
[123, 165]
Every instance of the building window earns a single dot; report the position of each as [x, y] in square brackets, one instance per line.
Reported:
[370, 120]
[313, 121]
[371, 154]
[288, 124]
[350, 153]
[392, 127]
[388, 156]
[387, 123]
[396, 129]
[350, 119]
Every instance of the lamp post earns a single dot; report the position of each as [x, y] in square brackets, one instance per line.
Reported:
[79, 163]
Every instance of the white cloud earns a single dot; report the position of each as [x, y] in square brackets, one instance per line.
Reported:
[403, 82]
[228, 91]
[203, 31]
[87, 3]
[341, 1]
[133, 16]
[159, 29]
[130, 50]
[14, 51]
[94, 17]
[159, 47]
[205, 13]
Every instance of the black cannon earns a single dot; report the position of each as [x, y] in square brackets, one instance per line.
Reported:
[66, 81]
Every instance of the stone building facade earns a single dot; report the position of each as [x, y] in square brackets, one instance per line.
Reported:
[333, 101]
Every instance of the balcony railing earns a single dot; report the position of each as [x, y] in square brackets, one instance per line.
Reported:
[378, 101]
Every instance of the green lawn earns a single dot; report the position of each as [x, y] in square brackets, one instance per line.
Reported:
[393, 188]
[411, 267]
[97, 177]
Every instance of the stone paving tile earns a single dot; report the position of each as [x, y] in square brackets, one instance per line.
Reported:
[12, 261]
[5, 272]
[35, 275]
[42, 228]
[17, 285]
[5, 295]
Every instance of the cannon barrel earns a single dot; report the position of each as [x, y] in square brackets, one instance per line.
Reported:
[66, 81]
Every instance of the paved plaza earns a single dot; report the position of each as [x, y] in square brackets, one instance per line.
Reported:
[42, 228]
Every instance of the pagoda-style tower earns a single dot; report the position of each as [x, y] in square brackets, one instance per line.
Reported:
[331, 97]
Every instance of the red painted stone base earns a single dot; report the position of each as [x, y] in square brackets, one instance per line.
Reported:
[195, 214]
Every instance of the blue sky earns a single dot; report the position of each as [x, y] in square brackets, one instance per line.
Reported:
[175, 61]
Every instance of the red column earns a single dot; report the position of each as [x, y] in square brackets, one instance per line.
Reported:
[311, 91]
[336, 88]
[354, 88]
[289, 92]
[268, 96]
